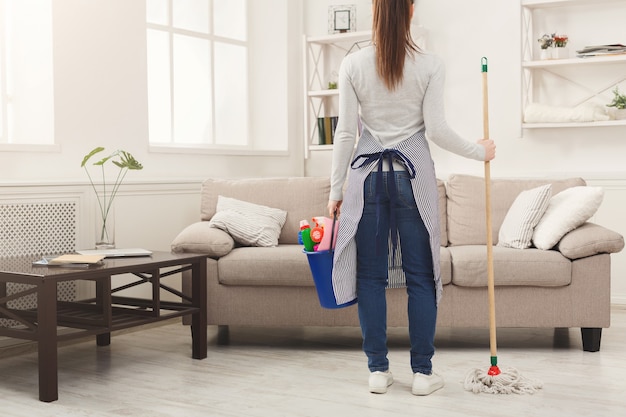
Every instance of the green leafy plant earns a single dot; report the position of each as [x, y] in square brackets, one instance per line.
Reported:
[125, 162]
[546, 41]
[619, 100]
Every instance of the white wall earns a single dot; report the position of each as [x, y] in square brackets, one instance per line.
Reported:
[100, 99]
[462, 33]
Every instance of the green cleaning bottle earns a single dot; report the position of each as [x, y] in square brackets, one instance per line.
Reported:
[305, 232]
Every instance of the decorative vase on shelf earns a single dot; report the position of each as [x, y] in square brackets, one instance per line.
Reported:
[619, 114]
[560, 52]
[105, 225]
[545, 54]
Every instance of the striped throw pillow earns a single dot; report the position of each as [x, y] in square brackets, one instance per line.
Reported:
[523, 215]
[249, 224]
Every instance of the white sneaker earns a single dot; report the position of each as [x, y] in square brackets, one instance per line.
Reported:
[379, 381]
[426, 384]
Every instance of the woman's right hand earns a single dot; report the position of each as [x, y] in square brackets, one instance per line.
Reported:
[334, 207]
[490, 148]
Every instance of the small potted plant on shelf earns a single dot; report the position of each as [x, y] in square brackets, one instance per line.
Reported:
[619, 102]
[560, 46]
[545, 42]
[553, 46]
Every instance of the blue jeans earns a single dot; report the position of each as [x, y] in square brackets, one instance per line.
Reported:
[372, 266]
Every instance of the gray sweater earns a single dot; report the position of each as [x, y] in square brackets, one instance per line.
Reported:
[392, 116]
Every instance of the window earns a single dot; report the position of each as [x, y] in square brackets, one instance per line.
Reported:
[198, 73]
[218, 74]
[26, 92]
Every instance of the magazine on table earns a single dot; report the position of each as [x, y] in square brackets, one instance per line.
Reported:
[70, 260]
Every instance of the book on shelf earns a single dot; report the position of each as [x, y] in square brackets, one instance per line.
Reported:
[326, 129]
[601, 50]
[333, 126]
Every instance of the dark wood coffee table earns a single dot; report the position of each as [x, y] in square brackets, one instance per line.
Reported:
[106, 312]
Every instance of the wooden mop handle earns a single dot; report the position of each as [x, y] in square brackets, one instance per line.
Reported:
[485, 102]
[490, 275]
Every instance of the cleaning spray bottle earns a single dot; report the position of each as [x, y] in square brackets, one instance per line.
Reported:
[305, 233]
[327, 224]
[317, 234]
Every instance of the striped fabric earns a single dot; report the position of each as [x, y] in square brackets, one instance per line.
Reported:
[249, 224]
[416, 149]
[523, 215]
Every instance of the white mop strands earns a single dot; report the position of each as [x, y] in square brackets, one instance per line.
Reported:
[495, 381]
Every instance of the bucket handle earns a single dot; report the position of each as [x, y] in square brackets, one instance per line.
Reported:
[332, 232]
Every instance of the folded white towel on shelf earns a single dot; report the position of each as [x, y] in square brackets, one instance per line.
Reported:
[586, 112]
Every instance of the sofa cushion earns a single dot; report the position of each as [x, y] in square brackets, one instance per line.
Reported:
[519, 223]
[200, 237]
[248, 223]
[283, 265]
[466, 204]
[566, 211]
[532, 267]
[590, 239]
[301, 197]
[445, 260]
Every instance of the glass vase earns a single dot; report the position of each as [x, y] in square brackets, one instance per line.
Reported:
[105, 227]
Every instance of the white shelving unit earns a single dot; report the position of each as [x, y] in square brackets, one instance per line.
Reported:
[574, 80]
[322, 58]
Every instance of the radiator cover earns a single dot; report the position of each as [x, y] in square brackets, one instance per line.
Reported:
[37, 228]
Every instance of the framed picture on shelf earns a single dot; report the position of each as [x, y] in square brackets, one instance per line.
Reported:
[341, 18]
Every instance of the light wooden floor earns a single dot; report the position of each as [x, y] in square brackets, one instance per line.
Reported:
[316, 372]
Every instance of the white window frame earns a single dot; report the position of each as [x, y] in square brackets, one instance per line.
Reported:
[187, 147]
[7, 141]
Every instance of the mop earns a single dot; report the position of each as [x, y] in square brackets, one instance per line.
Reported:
[494, 381]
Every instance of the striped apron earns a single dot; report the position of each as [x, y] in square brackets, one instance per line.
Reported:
[415, 149]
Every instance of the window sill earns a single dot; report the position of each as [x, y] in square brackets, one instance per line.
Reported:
[23, 147]
[214, 150]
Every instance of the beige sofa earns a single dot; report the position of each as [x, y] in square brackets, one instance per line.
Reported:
[566, 287]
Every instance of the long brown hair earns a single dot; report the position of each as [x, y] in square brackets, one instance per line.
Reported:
[391, 31]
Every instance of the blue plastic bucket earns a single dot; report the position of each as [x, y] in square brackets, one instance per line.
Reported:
[321, 264]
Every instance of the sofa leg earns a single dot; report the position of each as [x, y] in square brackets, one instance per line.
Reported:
[223, 334]
[591, 338]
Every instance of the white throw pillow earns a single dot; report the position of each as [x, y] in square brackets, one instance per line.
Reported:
[249, 224]
[523, 215]
[566, 211]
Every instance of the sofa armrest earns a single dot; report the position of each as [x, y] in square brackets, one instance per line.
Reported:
[590, 239]
[199, 237]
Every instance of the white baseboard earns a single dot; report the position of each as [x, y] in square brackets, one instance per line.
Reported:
[618, 300]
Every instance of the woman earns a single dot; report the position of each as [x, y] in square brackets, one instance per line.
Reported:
[389, 230]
